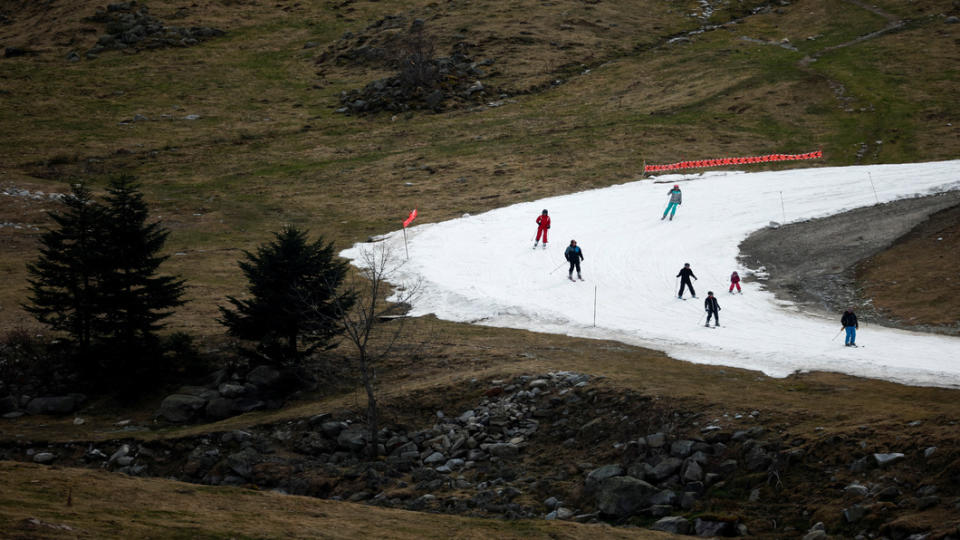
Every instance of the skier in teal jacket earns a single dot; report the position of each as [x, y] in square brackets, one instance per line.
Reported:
[675, 199]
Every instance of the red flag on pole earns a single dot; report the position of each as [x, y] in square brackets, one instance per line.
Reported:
[410, 218]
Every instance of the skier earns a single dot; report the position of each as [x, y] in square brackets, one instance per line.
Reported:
[675, 199]
[685, 274]
[574, 255]
[735, 282]
[543, 223]
[713, 309]
[849, 323]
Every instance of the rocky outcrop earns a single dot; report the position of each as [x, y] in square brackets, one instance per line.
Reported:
[129, 26]
[513, 447]
[452, 81]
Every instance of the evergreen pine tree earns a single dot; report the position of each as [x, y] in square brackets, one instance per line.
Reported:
[95, 276]
[293, 286]
[65, 280]
[135, 298]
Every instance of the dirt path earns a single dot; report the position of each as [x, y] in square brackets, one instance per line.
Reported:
[813, 262]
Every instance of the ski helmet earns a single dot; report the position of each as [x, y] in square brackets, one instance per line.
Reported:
[544, 211]
[709, 293]
[676, 186]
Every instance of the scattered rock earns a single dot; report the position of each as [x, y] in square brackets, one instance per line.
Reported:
[854, 514]
[179, 408]
[52, 405]
[44, 457]
[885, 460]
[622, 496]
[672, 524]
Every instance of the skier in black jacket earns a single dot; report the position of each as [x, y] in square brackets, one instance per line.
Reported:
[685, 274]
[849, 323]
[573, 255]
[713, 309]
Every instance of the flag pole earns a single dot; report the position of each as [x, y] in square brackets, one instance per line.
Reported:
[406, 222]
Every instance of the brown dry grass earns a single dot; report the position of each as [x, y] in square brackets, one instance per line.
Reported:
[52, 502]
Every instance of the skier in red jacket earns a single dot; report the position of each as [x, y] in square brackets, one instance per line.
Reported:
[735, 282]
[543, 223]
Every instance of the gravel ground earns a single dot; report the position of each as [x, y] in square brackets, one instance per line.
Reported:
[812, 262]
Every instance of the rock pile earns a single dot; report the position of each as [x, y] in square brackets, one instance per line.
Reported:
[129, 26]
[478, 462]
[423, 82]
[518, 451]
[454, 80]
[223, 397]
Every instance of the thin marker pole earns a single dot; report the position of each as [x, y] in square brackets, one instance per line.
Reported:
[875, 196]
[405, 242]
[783, 208]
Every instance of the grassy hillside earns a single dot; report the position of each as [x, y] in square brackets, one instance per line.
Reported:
[591, 91]
[594, 90]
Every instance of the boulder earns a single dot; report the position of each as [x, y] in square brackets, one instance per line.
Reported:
[885, 460]
[597, 476]
[44, 457]
[242, 462]
[180, 408]
[121, 452]
[854, 514]
[231, 390]
[656, 440]
[435, 457]
[220, 408]
[622, 496]
[703, 527]
[856, 490]
[263, 376]
[693, 472]
[354, 438]
[665, 497]
[681, 448]
[502, 450]
[666, 468]
[52, 405]
[672, 524]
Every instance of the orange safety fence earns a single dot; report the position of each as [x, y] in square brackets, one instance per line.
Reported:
[731, 161]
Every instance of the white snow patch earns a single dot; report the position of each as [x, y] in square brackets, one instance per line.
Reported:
[481, 269]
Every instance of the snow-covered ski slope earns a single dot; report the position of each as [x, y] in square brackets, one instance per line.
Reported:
[482, 269]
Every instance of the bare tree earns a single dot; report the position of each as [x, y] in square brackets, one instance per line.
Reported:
[374, 326]
[415, 56]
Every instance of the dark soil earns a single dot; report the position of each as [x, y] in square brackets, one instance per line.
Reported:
[816, 263]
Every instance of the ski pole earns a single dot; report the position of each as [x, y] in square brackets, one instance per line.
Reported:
[557, 268]
[838, 333]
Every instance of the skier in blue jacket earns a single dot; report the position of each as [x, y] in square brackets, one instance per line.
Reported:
[574, 255]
